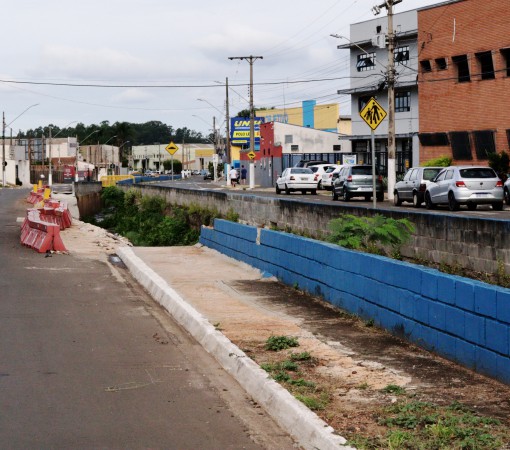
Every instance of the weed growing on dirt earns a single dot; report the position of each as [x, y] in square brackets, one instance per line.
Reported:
[304, 356]
[413, 424]
[277, 343]
[393, 389]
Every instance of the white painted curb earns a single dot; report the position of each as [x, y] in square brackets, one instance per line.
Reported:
[302, 424]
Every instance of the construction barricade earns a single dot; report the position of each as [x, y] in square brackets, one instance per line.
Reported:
[40, 235]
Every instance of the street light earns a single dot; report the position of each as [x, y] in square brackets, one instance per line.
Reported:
[4, 162]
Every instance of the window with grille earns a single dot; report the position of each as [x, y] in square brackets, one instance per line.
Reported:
[366, 61]
[441, 64]
[425, 66]
[433, 139]
[337, 147]
[402, 101]
[294, 148]
[402, 55]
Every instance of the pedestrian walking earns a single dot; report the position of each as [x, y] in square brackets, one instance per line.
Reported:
[233, 177]
[244, 172]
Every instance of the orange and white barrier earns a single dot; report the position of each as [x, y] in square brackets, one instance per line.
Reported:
[40, 235]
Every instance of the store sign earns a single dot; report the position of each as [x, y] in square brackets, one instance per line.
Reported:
[240, 131]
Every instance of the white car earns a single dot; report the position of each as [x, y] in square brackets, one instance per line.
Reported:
[296, 179]
[329, 176]
[319, 170]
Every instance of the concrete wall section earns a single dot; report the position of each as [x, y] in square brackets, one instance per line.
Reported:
[464, 320]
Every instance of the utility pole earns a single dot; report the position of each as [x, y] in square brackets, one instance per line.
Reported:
[50, 174]
[251, 59]
[227, 120]
[4, 162]
[390, 75]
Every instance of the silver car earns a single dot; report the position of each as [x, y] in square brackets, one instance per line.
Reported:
[296, 179]
[412, 188]
[465, 185]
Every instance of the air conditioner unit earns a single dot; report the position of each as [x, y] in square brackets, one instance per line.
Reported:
[277, 144]
[379, 40]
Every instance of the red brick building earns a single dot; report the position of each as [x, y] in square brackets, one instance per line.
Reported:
[464, 79]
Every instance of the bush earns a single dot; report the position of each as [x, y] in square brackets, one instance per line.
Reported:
[442, 161]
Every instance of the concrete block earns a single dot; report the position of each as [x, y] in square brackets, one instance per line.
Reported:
[437, 315]
[485, 300]
[465, 294]
[446, 288]
[421, 310]
[446, 345]
[425, 337]
[465, 354]
[486, 361]
[455, 321]
[496, 337]
[429, 283]
[474, 329]
[503, 305]
[245, 232]
[503, 369]
[407, 302]
[392, 298]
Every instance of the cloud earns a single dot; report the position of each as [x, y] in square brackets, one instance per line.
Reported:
[133, 96]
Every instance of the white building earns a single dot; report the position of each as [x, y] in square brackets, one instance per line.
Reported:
[368, 67]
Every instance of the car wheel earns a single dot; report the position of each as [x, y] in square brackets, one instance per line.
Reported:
[334, 195]
[453, 204]
[368, 197]
[498, 206]
[287, 190]
[278, 190]
[396, 199]
[303, 192]
[471, 206]
[313, 192]
[380, 196]
[507, 196]
[319, 186]
[345, 195]
[428, 202]
[416, 200]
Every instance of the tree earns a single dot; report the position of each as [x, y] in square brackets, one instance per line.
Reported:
[167, 165]
[500, 163]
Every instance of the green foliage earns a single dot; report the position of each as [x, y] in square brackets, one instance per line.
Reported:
[500, 162]
[167, 165]
[393, 389]
[277, 343]
[311, 402]
[442, 161]
[112, 197]
[304, 356]
[377, 234]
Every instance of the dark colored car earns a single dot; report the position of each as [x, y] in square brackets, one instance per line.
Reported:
[356, 181]
[412, 188]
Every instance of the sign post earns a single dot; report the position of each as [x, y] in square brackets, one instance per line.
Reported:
[172, 148]
[373, 114]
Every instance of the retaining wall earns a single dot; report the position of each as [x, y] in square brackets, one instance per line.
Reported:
[470, 242]
[461, 319]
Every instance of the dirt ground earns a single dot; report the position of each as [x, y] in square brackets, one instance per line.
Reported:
[353, 362]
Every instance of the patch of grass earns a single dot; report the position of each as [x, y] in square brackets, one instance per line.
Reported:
[393, 389]
[314, 403]
[370, 323]
[363, 386]
[277, 343]
[304, 356]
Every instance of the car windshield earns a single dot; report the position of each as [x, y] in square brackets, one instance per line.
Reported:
[428, 174]
[477, 172]
[362, 170]
[301, 170]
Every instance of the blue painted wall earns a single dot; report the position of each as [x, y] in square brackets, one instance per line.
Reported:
[309, 113]
[464, 320]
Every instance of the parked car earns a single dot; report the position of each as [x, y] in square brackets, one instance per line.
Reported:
[506, 191]
[412, 188]
[330, 176]
[465, 185]
[311, 162]
[208, 175]
[296, 179]
[355, 180]
[319, 170]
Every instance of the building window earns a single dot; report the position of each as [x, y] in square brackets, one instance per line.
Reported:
[294, 148]
[484, 143]
[506, 55]
[362, 101]
[425, 66]
[508, 137]
[433, 139]
[441, 64]
[337, 147]
[288, 138]
[402, 101]
[360, 146]
[462, 64]
[402, 55]
[461, 146]
[486, 65]
[366, 61]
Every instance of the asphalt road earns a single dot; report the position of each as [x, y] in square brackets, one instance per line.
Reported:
[483, 211]
[88, 360]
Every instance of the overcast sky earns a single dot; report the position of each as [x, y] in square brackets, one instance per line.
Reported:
[130, 43]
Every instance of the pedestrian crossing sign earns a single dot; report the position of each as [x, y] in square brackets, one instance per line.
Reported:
[373, 113]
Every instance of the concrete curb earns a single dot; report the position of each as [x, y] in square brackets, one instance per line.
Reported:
[303, 425]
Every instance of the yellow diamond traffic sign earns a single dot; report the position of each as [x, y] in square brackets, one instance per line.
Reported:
[373, 113]
[252, 155]
[171, 148]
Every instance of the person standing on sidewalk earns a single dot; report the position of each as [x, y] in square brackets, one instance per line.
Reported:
[233, 177]
[244, 172]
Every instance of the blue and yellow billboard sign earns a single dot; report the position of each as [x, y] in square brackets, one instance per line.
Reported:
[240, 131]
